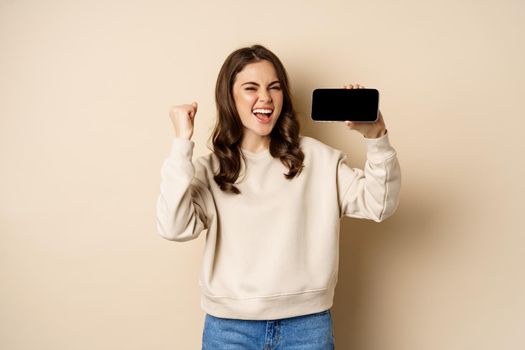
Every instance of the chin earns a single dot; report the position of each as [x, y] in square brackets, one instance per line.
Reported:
[265, 131]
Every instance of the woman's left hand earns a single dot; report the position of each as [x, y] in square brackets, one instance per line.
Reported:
[368, 130]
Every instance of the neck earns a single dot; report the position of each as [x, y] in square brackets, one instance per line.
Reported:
[255, 144]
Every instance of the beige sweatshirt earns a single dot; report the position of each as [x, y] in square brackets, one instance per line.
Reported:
[273, 250]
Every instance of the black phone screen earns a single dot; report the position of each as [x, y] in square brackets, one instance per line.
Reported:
[359, 105]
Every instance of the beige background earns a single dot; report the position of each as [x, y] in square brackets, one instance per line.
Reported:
[85, 90]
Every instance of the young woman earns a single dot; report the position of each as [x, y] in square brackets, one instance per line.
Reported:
[271, 201]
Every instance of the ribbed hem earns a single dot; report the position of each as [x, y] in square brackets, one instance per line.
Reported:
[379, 149]
[181, 148]
[269, 308]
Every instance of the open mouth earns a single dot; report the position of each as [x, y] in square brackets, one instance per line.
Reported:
[263, 115]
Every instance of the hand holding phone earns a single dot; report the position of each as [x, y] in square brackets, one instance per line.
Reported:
[368, 127]
[348, 104]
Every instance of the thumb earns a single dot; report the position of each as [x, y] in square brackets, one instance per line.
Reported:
[194, 105]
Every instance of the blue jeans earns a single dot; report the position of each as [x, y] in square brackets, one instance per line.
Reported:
[307, 332]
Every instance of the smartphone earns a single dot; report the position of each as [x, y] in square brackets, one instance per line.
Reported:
[357, 105]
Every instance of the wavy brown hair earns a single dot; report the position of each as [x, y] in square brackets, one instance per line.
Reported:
[228, 131]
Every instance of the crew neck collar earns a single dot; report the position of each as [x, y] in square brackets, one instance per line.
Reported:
[261, 154]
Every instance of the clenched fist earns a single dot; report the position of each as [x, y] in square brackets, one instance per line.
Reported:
[182, 117]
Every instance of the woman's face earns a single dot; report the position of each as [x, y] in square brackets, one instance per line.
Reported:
[258, 98]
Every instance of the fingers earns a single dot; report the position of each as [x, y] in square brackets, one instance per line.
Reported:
[353, 125]
[354, 86]
[183, 111]
[193, 109]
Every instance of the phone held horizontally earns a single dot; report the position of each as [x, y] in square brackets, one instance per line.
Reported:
[356, 105]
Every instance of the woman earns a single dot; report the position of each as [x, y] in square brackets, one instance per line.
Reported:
[271, 201]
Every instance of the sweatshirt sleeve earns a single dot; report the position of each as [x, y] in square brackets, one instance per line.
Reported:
[181, 204]
[372, 193]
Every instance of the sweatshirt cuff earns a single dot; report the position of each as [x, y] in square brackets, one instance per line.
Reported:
[181, 148]
[379, 149]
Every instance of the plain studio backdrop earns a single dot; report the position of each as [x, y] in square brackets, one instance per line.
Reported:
[85, 89]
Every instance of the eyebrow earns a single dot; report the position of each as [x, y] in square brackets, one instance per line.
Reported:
[254, 83]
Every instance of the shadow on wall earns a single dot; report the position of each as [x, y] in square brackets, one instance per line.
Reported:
[376, 258]
[369, 252]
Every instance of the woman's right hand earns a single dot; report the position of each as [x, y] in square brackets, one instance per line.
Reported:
[182, 117]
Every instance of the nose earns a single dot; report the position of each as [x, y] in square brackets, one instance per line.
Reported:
[265, 96]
